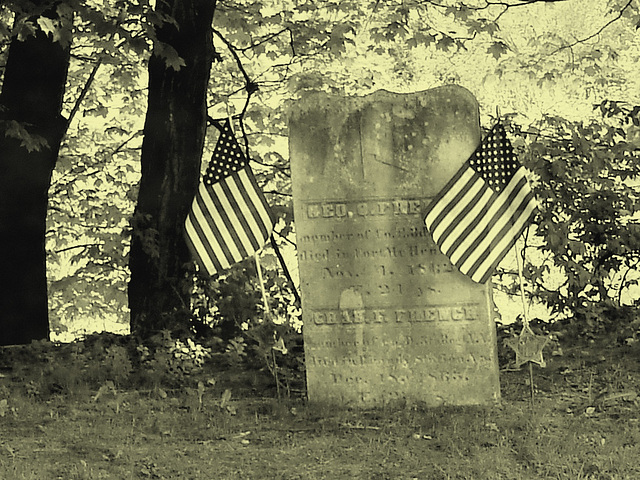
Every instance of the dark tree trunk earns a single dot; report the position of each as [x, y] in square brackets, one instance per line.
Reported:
[32, 94]
[174, 135]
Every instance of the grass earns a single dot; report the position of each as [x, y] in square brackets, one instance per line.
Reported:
[583, 424]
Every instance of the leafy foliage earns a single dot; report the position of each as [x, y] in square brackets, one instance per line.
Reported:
[585, 178]
[231, 306]
[270, 50]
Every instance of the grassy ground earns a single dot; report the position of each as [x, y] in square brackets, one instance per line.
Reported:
[583, 424]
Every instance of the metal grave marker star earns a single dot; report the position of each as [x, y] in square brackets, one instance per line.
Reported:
[528, 347]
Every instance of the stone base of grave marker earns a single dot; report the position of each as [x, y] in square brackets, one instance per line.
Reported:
[386, 316]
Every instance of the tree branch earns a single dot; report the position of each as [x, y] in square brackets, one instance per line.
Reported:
[506, 5]
[121, 146]
[282, 170]
[250, 86]
[285, 238]
[234, 53]
[266, 39]
[623, 281]
[84, 91]
[85, 245]
[275, 192]
[600, 30]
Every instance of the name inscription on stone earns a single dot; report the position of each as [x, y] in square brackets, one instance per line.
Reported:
[372, 252]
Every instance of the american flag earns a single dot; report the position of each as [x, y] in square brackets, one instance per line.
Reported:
[478, 216]
[229, 218]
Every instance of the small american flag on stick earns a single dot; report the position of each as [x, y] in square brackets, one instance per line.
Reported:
[477, 217]
[229, 218]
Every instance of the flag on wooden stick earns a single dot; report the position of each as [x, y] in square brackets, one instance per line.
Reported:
[229, 218]
[477, 217]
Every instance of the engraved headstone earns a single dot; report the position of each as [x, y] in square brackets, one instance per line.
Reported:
[386, 315]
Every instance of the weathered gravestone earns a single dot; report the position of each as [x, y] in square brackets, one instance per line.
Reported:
[386, 315]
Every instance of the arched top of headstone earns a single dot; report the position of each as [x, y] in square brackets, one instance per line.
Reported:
[414, 141]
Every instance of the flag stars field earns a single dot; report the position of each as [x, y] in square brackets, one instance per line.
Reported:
[496, 161]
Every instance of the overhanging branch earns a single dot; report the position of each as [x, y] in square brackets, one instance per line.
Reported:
[593, 35]
[84, 245]
[83, 92]
[250, 86]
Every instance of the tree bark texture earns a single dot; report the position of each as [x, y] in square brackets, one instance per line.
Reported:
[174, 134]
[32, 93]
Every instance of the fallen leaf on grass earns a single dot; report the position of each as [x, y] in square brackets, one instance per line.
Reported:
[226, 396]
[492, 426]
[11, 451]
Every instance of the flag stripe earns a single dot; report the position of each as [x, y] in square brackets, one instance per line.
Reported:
[259, 218]
[473, 221]
[243, 210]
[205, 212]
[199, 245]
[475, 235]
[485, 270]
[500, 204]
[237, 222]
[467, 221]
[507, 221]
[225, 224]
[256, 200]
[456, 185]
[461, 209]
[490, 240]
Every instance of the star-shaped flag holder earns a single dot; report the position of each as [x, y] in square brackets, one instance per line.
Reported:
[528, 346]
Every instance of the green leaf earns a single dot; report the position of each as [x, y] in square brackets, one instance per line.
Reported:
[269, 262]
[340, 36]
[24, 29]
[497, 49]
[170, 55]
[445, 43]
[32, 142]
[48, 25]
